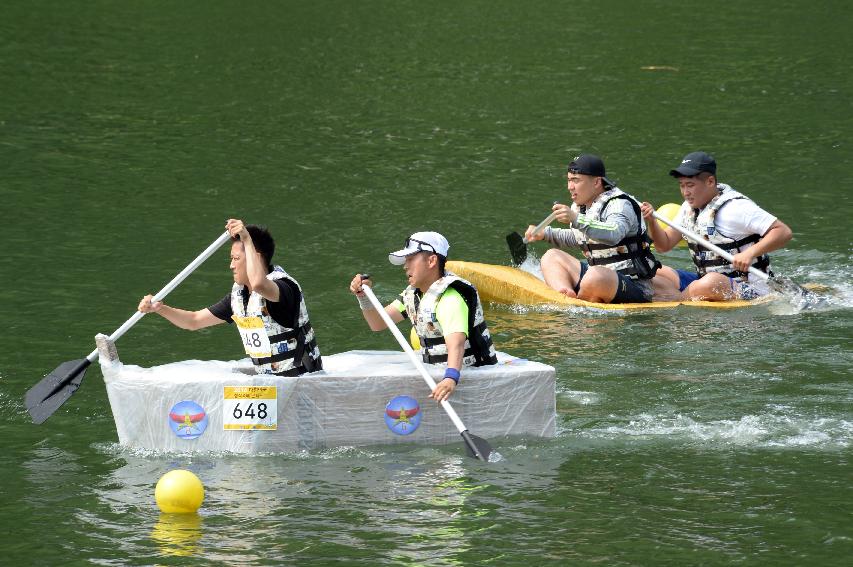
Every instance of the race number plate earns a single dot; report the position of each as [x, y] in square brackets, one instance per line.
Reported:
[249, 407]
[255, 338]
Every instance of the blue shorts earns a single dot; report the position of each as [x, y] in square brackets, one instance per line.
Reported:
[627, 290]
[742, 290]
[686, 278]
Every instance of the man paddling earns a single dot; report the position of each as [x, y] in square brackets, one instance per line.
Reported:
[265, 302]
[726, 218]
[444, 309]
[606, 224]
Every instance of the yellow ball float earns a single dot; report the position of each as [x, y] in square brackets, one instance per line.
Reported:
[669, 211]
[179, 492]
[413, 338]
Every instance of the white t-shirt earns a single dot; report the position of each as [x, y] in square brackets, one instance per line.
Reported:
[736, 219]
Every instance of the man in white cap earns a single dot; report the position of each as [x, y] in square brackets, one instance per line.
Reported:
[726, 218]
[444, 309]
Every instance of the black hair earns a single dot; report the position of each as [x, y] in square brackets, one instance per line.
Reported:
[263, 241]
[442, 260]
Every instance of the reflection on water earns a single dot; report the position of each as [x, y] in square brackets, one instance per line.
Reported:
[518, 330]
[419, 504]
[178, 534]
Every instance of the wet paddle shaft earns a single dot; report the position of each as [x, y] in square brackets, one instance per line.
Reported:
[707, 244]
[476, 446]
[43, 399]
[548, 220]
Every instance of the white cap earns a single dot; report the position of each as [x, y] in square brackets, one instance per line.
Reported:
[420, 242]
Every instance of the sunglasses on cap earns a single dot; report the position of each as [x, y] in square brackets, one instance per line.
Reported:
[420, 245]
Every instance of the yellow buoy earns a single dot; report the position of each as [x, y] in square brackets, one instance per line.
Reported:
[413, 338]
[179, 492]
[670, 211]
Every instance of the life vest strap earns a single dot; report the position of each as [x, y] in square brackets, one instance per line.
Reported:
[433, 341]
[593, 261]
[291, 334]
[476, 340]
[441, 358]
[635, 239]
[751, 239]
[291, 354]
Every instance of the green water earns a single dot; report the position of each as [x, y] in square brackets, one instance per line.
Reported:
[129, 132]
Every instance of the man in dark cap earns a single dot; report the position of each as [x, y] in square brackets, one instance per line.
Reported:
[726, 218]
[606, 225]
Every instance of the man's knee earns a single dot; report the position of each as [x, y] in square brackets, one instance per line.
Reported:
[551, 256]
[598, 283]
[598, 275]
[711, 286]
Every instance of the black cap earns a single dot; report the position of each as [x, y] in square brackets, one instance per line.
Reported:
[588, 164]
[695, 163]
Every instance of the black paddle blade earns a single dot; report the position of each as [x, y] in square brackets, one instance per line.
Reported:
[477, 447]
[43, 399]
[517, 248]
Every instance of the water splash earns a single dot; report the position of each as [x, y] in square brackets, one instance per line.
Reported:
[776, 429]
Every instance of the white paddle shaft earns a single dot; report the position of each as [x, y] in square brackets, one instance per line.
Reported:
[414, 357]
[706, 244]
[167, 289]
[548, 220]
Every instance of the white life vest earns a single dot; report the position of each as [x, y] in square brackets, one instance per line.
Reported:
[479, 350]
[632, 255]
[702, 222]
[273, 347]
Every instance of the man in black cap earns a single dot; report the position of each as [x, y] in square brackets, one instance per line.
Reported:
[726, 218]
[606, 224]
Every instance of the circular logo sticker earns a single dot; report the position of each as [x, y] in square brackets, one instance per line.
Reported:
[187, 419]
[403, 415]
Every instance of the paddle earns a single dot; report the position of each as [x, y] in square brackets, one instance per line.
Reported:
[518, 244]
[776, 283]
[43, 399]
[477, 447]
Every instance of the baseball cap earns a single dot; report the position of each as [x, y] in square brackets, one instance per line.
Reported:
[588, 164]
[695, 163]
[420, 242]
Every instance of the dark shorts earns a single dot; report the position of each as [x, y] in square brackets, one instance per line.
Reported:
[627, 291]
[686, 278]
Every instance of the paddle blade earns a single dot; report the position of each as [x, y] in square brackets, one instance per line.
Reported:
[43, 399]
[517, 248]
[787, 287]
[802, 297]
[477, 447]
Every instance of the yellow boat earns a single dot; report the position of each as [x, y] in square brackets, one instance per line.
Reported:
[511, 286]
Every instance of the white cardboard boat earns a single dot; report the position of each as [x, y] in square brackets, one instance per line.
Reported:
[360, 398]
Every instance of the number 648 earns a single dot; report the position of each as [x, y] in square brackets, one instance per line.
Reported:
[251, 411]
